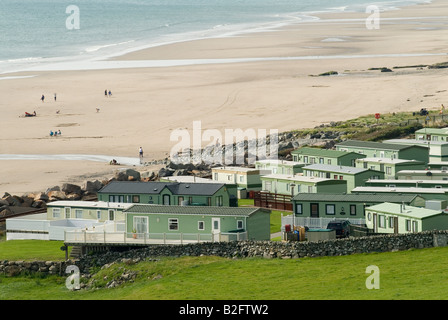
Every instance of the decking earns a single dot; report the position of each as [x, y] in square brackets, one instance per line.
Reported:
[88, 237]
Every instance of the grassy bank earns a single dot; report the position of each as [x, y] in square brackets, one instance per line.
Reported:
[414, 274]
[387, 126]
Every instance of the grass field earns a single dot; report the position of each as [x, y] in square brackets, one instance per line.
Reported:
[413, 274]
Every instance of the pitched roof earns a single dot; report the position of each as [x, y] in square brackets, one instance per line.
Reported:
[425, 143]
[375, 145]
[321, 152]
[353, 197]
[339, 169]
[155, 187]
[193, 210]
[442, 131]
[298, 178]
[391, 161]
[413, 190]
[408, 211]
[89, 204]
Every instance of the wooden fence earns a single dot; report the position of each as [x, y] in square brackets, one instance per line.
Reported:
[273, 201]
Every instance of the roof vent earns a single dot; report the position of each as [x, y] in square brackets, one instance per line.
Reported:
[187, 186]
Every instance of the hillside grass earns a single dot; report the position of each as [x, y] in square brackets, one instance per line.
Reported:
[389, 126]
[406, 275]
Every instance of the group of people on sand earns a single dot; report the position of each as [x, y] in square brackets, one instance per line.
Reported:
[107, 93]
[42, 98]
[55, 133]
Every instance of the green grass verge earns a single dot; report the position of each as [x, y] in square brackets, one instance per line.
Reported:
[406, 275]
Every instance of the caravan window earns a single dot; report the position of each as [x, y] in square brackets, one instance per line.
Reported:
[78, 213]
[56, 212]
[330, 209]
[173, 224]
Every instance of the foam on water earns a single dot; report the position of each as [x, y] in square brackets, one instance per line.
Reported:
[35, 33]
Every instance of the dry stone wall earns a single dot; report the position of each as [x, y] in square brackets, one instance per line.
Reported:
[243, 249]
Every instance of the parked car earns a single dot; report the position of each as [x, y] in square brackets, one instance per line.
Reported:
[342, 228]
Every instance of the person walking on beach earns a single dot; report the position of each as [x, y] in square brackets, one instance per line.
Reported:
[110, 93]
[140, 153]
[55, 97]
[105, 93]
[42, 98]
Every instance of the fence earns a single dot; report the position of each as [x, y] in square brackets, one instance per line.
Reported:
[315, 223]
[123, 238]
[424, 120]
[272, 201]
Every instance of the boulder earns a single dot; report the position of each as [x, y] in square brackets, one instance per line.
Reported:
[5, 211]
[39, 204]
[27, 201]
[12, 200]
[41, 197]
[73, 196]
[92, 186]
[165, 172]
[127, 175]
[54, 188]
[56, 195]
[69, 188]
[133, 173]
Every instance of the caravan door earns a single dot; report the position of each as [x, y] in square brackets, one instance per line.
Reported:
[216, 228]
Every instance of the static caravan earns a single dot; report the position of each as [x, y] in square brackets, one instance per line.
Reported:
[438, 149]
[309, 155]
[426, 193]
[354, 176]
[269, 166]
[244, 178]
[390, 167]
[294, 184]
[202, 223]
[399, 219]
[346, 206]
[93, 210]
[385, 150]
[169, 193]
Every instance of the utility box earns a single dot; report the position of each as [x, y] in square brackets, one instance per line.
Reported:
[320, 234]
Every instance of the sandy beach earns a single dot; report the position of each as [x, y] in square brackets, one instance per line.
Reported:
[275, 92]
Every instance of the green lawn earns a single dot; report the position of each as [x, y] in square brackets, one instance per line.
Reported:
[412, 274]
[31, 250]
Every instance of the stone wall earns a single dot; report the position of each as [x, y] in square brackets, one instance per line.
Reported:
[14, 268]
[244, 249]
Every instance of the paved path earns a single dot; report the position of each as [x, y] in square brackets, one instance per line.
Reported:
[276, 235]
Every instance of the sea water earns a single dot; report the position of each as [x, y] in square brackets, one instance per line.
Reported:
[44, 32]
